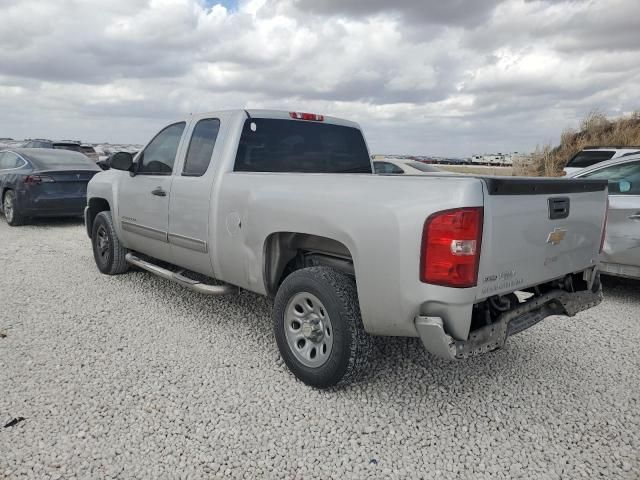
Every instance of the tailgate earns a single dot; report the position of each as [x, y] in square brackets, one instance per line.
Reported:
[536, 230]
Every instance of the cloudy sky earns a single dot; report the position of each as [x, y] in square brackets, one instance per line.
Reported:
[421, 76]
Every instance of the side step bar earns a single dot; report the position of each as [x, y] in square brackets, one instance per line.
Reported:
[194, 285]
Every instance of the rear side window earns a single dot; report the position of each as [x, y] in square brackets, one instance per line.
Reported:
[10, 160]
[587, 158]
[201, 147]
[274, 145]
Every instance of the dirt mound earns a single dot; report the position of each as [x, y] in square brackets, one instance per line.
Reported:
[595, 129]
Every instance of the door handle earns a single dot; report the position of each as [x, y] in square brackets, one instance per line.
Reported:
[159, 192]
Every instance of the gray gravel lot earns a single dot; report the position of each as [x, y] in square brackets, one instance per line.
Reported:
[132, 376]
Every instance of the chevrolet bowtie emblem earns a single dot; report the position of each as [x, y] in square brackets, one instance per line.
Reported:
[556, 236]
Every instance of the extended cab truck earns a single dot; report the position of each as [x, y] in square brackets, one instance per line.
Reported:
[287, 205]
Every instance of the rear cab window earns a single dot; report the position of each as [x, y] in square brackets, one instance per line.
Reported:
[587, 158]
[278, 145]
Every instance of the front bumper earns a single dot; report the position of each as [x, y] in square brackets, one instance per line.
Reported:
[494, 336]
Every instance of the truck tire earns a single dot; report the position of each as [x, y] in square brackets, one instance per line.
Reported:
[318, 327]
[10, 209]
[108, 252]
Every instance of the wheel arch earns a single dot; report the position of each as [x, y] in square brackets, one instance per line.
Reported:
[95, 206]
[286, 252]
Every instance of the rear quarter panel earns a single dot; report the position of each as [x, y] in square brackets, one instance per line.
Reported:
[378, 218]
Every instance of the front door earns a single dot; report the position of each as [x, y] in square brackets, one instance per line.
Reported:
[621, 252]
[143, 197]
[191, 194]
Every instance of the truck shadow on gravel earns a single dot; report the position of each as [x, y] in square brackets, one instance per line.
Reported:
[621, 288]
[397, 364]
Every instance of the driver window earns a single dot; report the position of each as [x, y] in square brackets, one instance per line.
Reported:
[160, 155]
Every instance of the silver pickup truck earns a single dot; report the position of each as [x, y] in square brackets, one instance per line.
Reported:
[285, 204]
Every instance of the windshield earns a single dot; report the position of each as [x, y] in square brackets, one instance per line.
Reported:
[274, 145]
[587, 158]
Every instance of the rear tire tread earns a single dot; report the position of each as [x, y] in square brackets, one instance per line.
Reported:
[343, 288]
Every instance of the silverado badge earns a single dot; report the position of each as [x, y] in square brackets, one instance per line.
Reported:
[556, 236]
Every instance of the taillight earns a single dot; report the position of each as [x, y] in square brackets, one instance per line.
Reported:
[37, 179]
[451, 247]
[604, 226]
[307, 116]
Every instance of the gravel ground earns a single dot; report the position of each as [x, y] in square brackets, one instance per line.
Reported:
[132, 376]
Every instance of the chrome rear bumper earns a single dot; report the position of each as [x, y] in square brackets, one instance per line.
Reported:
[494, 336]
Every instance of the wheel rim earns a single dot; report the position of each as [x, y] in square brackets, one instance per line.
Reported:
[103, 242]
[308, 330]
[8, 207]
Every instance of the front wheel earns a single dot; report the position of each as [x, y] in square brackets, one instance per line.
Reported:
[9, 206]
[108, 252]
[318, 327]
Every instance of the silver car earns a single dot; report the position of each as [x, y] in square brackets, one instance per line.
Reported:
[621, 250]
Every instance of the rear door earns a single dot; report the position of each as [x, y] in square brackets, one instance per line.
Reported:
[621, 252]
[143, 198]
[536, 230]
[191, 194]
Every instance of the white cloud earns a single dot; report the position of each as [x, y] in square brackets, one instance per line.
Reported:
[421, 76]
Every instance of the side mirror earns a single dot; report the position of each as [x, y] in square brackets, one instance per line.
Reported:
[624, 186]
[121, 161]
[103, 164]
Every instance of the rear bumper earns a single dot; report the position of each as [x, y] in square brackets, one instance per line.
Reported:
[620, 270]
[494, 336]
[53, 206]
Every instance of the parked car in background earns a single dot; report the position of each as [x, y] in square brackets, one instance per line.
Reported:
[400, 167]
[621, 249]
[90, 152]
[590, 156]
[40, 182]
[57, 145]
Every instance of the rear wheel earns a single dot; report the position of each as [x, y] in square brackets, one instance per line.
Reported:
[9, 206]
[318, 327]
[108, 252]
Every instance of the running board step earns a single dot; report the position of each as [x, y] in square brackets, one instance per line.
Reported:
[215, 290]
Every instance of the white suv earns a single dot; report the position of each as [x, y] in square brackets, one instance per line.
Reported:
[589, 156]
